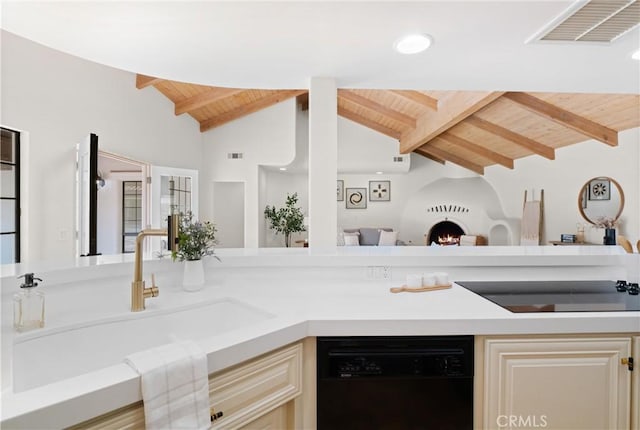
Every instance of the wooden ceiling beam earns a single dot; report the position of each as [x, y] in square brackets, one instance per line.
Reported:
[303, 101]
[451, 111]
[520, 140]
[440, 153]
[210, 96]
[477, 149]
[376, 107]
[367, 122]
[566, 118]
[429, 156]
[143, 81]
[264, 102]
[417, 97]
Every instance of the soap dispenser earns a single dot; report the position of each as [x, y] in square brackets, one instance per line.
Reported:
[28, 305]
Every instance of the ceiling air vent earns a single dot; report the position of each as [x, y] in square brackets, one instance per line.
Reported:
[234, 155]
[592, 21]
[398, 159]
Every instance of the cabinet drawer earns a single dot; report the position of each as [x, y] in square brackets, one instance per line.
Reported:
[244, 393]
[252, 389]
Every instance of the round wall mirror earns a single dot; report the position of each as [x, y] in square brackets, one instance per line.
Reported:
[601, 197]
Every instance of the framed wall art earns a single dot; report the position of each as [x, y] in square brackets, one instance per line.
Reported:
[600, 189]
[379, 191]
[340, 190]
[356, 198]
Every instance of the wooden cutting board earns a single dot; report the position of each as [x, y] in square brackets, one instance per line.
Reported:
[418, 289]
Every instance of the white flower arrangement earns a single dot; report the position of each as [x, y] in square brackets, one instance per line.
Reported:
[605, 222]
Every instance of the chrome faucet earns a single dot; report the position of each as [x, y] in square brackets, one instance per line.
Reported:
[138, 291]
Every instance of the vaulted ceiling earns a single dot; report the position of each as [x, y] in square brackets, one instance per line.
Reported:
[471, 129]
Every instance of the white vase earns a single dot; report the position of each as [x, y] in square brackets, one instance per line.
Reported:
[193, 277]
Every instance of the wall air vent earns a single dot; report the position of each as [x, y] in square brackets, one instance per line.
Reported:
[592, 21]
[234, 155]
[398, 159]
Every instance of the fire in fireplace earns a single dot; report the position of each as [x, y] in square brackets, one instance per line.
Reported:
[445, 233]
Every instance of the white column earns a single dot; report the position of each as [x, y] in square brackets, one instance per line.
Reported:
[323, 162]
[252, 213]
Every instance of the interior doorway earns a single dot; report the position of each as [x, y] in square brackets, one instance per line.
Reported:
[122, 202]
[228, 213]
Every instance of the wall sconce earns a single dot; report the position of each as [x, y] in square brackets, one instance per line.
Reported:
[100, 182]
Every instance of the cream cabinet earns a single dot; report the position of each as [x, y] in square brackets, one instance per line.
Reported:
[635, 385]
[554, 382]
[257, 394]
[253, 394]
[279, 418]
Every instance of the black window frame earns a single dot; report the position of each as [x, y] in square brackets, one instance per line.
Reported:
[16, 172]
[124, 217]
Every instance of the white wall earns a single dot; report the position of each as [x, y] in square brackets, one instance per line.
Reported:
[265, 138]
[363, 150]
[110, 211]
[59, 99]
[275, 185]
[109, 231]
[278, 185]
[228, 214]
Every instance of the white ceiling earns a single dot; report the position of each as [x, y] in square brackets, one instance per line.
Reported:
[479, 45]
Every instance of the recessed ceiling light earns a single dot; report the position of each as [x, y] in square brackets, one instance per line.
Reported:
[283, 168]
[413, 43]
[378, 173]
[636, 55]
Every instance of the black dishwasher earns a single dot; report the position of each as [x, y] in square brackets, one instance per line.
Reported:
[395, 382]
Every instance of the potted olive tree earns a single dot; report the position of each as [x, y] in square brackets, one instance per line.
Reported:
[286, 220]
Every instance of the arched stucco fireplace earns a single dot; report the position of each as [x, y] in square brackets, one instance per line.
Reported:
[471, 203]
[444, 233]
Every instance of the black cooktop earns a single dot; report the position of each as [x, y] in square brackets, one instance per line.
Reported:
[556, 296]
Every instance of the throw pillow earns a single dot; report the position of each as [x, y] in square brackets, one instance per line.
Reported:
[351, 240]
[369, 236]
[388, 238]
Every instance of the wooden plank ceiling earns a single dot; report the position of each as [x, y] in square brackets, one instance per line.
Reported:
[472, 129]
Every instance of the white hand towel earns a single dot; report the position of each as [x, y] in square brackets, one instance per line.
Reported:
[175, 386]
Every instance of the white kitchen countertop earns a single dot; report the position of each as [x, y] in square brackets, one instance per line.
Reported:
[302, 293]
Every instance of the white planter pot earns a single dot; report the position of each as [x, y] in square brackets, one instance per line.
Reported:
[193, 277]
